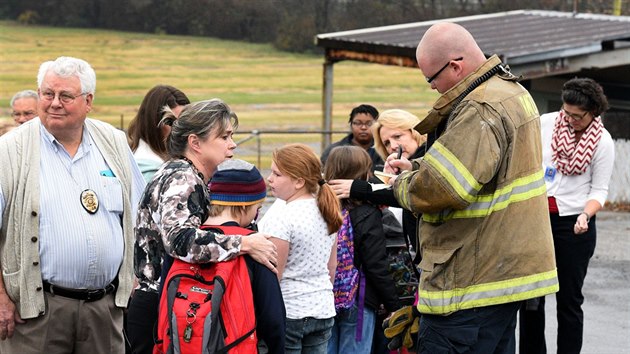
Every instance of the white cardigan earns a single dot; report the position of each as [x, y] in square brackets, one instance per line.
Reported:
[572, 192]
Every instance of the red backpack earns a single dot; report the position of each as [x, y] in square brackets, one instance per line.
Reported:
[207, 308]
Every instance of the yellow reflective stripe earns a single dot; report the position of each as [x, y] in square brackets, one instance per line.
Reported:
[520, 189]
[456, 174]
[402, 191]
[423, 308]
[488, 294]
[528, 104]
[481, 288]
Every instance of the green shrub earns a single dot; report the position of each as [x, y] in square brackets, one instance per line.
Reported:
[28, 17]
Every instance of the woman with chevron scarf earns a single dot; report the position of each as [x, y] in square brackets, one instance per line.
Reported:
[578, 157]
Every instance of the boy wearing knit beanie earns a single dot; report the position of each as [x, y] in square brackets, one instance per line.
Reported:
[237, 191]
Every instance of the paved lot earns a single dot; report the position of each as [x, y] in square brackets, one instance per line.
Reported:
[606, 291]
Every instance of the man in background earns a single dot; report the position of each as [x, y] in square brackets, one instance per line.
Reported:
[24, 106]
[361, 119]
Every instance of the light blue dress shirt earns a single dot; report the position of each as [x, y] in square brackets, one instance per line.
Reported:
[78, 249]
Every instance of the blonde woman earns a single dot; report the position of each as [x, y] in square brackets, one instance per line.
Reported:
[393, 131]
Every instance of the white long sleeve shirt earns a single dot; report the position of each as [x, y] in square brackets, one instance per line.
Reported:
[572, 192]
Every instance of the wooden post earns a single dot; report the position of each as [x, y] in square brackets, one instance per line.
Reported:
[327, 104]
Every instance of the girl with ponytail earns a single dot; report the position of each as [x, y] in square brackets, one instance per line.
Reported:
[303, 227]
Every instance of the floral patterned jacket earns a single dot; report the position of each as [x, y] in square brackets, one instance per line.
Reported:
[171, 210]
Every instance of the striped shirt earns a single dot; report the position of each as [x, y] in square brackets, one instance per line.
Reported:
[79, 249]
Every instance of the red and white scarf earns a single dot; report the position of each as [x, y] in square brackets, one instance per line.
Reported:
[572, 157]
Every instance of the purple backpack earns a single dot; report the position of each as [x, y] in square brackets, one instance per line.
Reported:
[347, 275]
[348, 279]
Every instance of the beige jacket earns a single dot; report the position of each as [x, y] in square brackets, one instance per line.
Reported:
[485, 238]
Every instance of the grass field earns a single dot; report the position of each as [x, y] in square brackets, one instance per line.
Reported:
[268, 89]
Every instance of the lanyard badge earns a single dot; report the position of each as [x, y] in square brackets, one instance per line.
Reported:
[550, 173]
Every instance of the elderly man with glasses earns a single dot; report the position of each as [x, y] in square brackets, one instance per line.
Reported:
[69, 188]
[361, 119]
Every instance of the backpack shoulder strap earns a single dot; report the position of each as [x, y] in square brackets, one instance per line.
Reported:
[220, 288]
[228, 229]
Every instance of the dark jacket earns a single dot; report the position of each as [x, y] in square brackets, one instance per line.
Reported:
[370, 256]
[362, 190]
[376, 159]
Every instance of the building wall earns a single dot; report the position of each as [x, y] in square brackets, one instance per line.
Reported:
[619, 188]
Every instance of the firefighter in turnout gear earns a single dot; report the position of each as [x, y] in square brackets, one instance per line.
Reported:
[485, 236]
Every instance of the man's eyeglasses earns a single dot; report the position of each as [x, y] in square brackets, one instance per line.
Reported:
[64, 97]
[358, 123]
[576, 117]
[430, 79]
[25, 114]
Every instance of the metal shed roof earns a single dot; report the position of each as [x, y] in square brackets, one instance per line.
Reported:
[539, 45]
[520, 38]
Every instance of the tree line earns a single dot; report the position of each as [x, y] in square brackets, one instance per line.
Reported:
[288, 24]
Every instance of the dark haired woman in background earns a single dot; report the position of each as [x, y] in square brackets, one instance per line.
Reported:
[147, 142]
[146, 139]
[578, 158]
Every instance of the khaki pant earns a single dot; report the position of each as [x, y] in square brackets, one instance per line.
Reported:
[70, 326]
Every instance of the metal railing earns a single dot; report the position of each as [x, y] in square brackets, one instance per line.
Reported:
[257, 135]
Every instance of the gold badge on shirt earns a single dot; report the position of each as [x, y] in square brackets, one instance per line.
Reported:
[89, 201]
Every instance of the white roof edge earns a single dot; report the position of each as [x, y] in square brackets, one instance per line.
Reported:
[582, 15]
[604, 17]
[476, 17]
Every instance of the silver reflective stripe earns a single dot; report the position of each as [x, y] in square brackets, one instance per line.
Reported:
[487, 294]
[459, 178]
[521, 189]
[504, 198]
